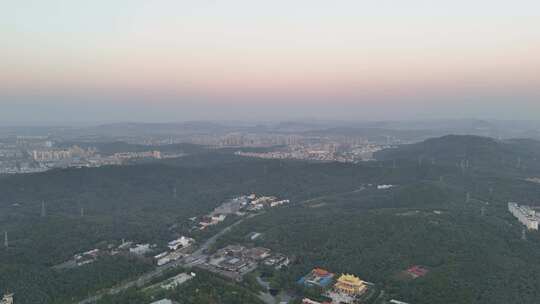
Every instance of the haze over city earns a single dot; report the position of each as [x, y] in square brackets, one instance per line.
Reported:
[269, 152]
[104, 61]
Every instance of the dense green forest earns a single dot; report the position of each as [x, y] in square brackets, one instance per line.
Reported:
[134, 203]
[473, 258]
[473, 248]
[205, 288]
[338, 220]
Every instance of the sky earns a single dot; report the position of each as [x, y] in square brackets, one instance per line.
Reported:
[177, 60]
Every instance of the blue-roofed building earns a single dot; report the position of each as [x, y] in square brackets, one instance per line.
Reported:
[317, 278]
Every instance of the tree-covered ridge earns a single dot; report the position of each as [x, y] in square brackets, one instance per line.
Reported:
[452, 220]
[137, 203]
[471, 152]
[337, 219]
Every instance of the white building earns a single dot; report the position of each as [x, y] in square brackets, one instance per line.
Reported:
[177, 281]
[161, 255]
[277, 203]
[525, 214]
[180, 243]
[173, 256]
[7, 299]
[140, 249]
[218, 219]
[164, 301]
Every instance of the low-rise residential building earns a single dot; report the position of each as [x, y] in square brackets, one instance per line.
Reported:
[397, 302]
[278, 203]
[164, 301]
[278, 261]
[211, 220]
[417, 271]
[161, 255]
[86, 257]
[140, 249]
[182, 242]
[525, 214]
[125, 245]
[7, 299]
[309, 301]
[169, 257]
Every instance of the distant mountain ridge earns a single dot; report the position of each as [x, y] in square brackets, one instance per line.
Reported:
[469, 150]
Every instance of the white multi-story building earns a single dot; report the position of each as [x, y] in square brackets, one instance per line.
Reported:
[140, 249]
[180, 243]
[525, 214]
[7, 299]
[164, 301]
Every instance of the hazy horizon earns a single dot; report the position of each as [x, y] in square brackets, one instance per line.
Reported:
[164, 61]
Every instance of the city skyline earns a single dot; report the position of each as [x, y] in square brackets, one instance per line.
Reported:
[208, 60]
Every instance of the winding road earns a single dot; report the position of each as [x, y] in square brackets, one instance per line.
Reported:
[197, 257]
[192, 260]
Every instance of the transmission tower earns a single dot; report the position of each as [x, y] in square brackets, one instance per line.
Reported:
[43, 209]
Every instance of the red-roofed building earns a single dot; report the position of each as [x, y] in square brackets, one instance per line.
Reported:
[320, 272]
[417, 271]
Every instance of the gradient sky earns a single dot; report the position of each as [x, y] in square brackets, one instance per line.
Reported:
[151, 60]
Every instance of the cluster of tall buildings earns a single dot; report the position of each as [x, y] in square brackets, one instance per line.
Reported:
[131, 155]
[61, 154]
[257, 140]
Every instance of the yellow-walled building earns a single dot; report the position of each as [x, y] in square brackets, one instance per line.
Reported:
[350, 285]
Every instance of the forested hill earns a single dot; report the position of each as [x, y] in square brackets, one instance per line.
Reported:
[452, 220]
[471, 152]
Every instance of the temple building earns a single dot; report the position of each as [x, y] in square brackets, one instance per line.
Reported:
[317, 277]
[350, 284]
